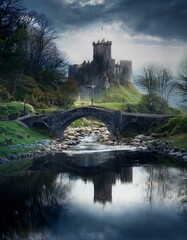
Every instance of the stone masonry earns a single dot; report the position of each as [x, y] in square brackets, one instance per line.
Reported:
[116, 122]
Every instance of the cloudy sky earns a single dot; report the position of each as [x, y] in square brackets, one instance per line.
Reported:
[146, 31]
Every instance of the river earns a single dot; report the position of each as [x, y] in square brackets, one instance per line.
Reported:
[95, 192]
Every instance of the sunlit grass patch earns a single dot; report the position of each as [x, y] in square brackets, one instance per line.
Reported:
[14, 108]
[12, 132]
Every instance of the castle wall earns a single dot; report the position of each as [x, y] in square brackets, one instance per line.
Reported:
[125, 71]
[76, 72]
[112, 67]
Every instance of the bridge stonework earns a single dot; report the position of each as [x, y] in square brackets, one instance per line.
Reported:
[116, 122]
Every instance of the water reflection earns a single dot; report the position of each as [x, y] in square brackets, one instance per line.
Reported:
[114, 196]
[103, 184]
[29, 203]
[164, 183]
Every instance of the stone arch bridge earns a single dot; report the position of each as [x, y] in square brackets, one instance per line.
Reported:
[117, 122]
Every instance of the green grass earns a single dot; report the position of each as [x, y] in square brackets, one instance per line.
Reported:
[15, 168]
[86, 122]
[111, 105]
[176, 129]
[12, 132]
[116, 93]
[48, 110]
[14, 108]
[179, 140]
[175, 125]
[117, 97]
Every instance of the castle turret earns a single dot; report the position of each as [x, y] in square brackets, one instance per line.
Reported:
[102, 51]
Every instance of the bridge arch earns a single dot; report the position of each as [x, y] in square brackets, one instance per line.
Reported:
[64, 119]
[74, 119]
[41, 125]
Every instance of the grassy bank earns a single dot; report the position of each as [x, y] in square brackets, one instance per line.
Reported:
[175, 131]
[14, 109]
[12, 132]
[179, 140]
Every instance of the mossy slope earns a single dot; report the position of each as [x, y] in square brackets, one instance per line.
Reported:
[12, 132]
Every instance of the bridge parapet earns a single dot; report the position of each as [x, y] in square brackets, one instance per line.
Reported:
[63, 119]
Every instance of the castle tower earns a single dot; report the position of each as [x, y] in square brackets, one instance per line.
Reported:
[102, 52]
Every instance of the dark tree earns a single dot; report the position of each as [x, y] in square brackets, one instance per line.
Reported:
[45, 62]
[31, 64]
[12, 30]
[182, 76]
[11, 12]
[13, 37]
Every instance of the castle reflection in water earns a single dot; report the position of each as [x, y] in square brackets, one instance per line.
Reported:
[103, 183]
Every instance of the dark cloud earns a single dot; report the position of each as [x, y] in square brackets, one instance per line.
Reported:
[68, 15]
[162, 18]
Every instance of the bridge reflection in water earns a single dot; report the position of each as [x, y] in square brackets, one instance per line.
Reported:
[43, 202]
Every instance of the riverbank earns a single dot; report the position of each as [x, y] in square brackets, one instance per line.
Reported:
[74, 136]
[141, 142]
[15, 138]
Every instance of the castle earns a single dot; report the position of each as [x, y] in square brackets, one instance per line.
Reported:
[102, 71]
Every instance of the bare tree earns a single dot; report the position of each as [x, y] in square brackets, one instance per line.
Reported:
[148, 82]
[165, 85]
[182, 76]
[158, 84]
[11, 12]
[45, 62]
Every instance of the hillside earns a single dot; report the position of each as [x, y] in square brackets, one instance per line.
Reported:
[117, 97]
[127, 94]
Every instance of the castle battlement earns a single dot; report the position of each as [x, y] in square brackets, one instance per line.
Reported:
[102, 42]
